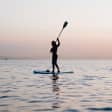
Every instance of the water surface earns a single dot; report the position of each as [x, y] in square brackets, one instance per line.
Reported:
[88, 89]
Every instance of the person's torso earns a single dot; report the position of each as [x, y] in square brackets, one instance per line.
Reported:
[54, 50]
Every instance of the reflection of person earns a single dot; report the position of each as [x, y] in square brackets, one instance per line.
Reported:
[53, 50]
[55, 90]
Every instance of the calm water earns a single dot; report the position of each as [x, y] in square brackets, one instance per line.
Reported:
[89, 89]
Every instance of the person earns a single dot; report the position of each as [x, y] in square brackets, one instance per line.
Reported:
[53, 50]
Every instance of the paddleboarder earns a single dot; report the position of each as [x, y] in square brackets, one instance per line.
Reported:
[53, 50]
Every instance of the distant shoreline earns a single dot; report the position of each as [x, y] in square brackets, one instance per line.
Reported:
[26, 58]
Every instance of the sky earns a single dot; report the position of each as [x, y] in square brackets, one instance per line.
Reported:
[27, 28]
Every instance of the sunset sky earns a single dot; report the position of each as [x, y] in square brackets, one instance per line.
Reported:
[27, 28]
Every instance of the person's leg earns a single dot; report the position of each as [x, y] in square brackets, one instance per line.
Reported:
[57, 64]
[57, 67]
[53, 64]
[53, 67]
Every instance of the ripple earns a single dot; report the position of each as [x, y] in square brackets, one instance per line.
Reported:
[40, 101]
[5, 111]
[42, 110]
[30, 85]
[6, 91]
[2, 97]
[2, 105]
[71, 110]
[33, 101]
[21, 99]
[101, 109]
[85, 101]
[6, 71]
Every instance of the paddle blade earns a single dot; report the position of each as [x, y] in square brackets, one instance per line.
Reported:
[65, 24]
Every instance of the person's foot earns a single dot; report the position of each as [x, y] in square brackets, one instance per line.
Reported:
[47, 70]
[58, 71]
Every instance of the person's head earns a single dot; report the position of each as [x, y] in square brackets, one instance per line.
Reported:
[53, 43]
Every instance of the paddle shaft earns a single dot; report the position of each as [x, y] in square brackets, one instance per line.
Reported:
[60, 33]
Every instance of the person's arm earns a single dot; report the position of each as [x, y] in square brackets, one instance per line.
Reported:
[58, 44]
[51, 50]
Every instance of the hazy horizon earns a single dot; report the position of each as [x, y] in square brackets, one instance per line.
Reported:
[27, 28]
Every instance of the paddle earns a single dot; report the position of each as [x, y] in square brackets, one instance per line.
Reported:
[64, 25]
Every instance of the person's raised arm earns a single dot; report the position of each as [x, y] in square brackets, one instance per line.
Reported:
[58, 44]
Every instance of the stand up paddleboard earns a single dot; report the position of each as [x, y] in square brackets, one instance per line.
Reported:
[49, 72]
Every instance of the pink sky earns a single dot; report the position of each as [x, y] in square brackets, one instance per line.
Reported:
[28, 26]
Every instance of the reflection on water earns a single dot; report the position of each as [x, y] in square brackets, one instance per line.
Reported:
[56, 90]
[88, 89]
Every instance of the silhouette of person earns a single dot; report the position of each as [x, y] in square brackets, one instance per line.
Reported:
[53, 50]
